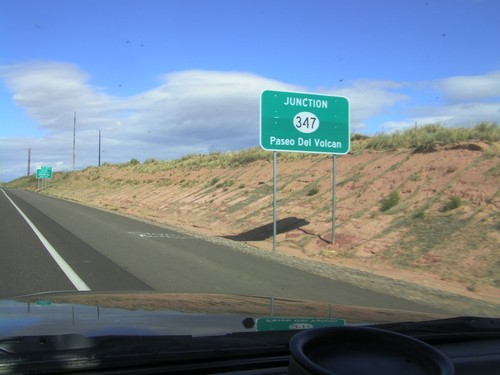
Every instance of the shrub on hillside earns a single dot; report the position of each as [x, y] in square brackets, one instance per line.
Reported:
[453, 202]
[390, 201]
[313, 191]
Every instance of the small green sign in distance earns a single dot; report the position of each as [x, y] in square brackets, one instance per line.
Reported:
[44, 302]
[301, 122]
[43, 172]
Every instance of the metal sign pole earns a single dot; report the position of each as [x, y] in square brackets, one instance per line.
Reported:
[334, 194]
[274, 201]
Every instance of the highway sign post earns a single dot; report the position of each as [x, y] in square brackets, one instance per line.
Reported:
[43, 174]
[303, 122]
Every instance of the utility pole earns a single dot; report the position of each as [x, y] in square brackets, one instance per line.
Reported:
[99, 159]
[29, 161]
[74, 137]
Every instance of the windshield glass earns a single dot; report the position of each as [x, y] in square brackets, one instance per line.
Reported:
[343, 153]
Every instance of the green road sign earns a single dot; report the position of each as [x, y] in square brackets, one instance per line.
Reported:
[300, 122]
[286, 324]
[43, 172]
[44, 302]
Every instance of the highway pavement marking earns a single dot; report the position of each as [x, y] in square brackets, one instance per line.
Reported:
[65, 267]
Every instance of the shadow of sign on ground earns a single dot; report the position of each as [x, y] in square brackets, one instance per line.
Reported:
[265, 231]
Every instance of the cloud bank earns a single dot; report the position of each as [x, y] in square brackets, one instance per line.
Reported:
[199, 111]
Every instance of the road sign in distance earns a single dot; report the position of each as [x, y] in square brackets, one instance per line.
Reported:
[301, 122]
[43, 172]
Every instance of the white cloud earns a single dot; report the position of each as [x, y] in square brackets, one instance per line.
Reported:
[470, 88]
[369, 98]
[216, 109]
[464, 101]
[51, 92]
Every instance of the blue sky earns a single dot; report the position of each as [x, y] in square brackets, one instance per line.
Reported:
[161, 79]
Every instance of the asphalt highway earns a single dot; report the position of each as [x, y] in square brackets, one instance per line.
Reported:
[49, 244]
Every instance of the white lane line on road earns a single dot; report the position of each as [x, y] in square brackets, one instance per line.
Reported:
[65, 267]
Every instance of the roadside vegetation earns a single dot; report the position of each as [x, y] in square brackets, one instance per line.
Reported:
[425, 138]
[390, 201]
[429, 137]
[419, 138]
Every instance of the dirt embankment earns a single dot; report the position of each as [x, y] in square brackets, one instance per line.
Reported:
[440, 227]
